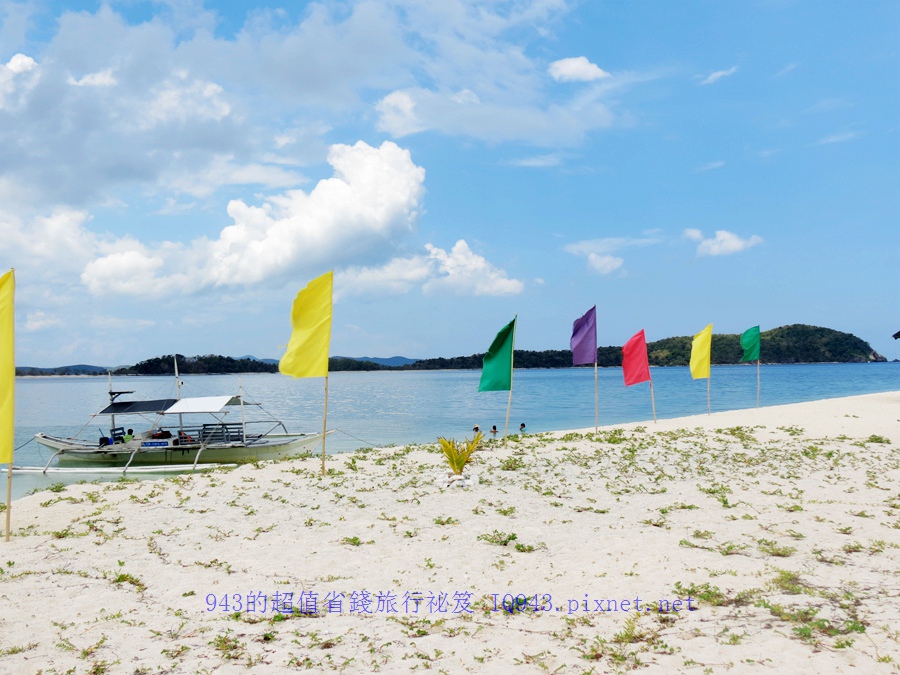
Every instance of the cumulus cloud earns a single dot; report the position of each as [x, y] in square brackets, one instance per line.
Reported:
[374, 196]
[724, 243]
[459, 271]
[58, 242]
[577, 69]
[18, 75]
[141, 106]
[464, 272]
[103, 78]
[718, 75]
[182, 99]
[599, 251]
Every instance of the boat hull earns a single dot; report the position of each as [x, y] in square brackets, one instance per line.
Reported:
[72, 452]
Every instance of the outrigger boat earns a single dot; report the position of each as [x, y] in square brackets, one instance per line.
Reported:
[176, 439]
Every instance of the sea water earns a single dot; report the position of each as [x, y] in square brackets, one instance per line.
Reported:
[379, 408]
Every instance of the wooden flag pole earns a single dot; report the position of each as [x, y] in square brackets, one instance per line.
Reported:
[8, 497]
[708, 407]
[512, 360]
[324, 425]
[652, 400]
[757, 383]
[596, 400]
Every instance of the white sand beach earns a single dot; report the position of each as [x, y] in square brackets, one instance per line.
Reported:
[763, 540]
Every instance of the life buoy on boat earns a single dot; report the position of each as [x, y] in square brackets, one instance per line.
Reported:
[184, 438]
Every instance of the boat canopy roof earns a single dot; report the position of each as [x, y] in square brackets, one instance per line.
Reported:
[202, 404]
[135, 407]
[170, 406]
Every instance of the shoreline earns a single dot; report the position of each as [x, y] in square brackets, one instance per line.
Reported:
[754, 537]
[399, 369]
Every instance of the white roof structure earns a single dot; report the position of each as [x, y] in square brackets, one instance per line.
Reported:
[202, 404]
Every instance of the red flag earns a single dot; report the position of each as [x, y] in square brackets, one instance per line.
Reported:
[635, 366]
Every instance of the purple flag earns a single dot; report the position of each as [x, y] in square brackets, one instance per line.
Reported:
[584, 338]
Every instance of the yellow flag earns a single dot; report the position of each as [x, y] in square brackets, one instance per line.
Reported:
[701, 347]
[7, 367]
[307, 351]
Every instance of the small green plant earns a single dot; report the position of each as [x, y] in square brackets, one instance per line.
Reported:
[497, 537]
[773, 548]
[449, 520]
[512, 463]
[458, 454]
[125, 578]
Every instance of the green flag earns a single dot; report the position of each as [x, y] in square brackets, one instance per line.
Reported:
[750, 342]
[496, 375]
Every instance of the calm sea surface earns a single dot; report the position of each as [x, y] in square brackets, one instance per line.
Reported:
[381, 408]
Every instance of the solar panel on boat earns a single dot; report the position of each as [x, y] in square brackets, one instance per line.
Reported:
[125, 407]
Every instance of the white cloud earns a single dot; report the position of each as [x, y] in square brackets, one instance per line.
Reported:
[459, 272]
[179, 100]
[709, 167]
[466, 273]
[839, 138]
[397, 276]
[39, 320]
[103, 78]
[20, 63]
[577, 69]
[224, 170]
[121, 323]
[724, 243]
[604, 263]
[608, 244]
[784, 71]
[599, 251]
[539, 161]
[57, 243]
[15, 78]
[410, 111]
[398, 114]
[374, 197]
[719, 74]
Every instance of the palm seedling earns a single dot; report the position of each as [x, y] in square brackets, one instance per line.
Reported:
[458, 454]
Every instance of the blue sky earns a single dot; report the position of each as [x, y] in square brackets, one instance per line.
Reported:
[172, 173]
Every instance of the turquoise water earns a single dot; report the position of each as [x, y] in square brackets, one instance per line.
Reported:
[381, 408]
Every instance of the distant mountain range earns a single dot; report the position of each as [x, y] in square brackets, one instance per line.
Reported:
[797, 343]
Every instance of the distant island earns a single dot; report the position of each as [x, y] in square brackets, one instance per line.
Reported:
[797, 343]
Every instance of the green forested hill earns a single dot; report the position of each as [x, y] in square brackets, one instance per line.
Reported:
[797, 343]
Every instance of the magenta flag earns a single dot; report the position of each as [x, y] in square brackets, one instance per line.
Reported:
[584, 338]
[635, 366]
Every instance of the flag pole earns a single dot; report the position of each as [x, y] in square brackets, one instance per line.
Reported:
[8, 497]
[757, 383]
[324, 424]
[512, 360]
[596, 400]
[652, 401]
[708, 407]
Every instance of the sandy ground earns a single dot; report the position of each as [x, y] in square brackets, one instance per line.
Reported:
[751, 541]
